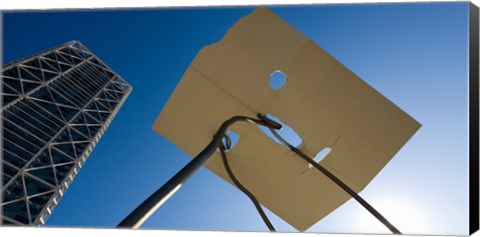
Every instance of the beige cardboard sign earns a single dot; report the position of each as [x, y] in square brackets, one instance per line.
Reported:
[322, 100]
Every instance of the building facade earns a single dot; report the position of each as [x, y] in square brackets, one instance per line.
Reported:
[56, 106]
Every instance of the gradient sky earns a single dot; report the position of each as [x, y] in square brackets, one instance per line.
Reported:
[414, 54]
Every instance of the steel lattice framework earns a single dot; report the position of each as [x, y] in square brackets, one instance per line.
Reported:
[56, 106]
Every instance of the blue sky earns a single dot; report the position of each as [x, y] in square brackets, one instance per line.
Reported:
[414, 54]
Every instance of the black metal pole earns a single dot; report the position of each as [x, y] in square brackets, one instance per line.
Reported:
[339, 182]
[138, 216]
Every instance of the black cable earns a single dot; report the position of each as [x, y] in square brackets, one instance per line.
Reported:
[142, 212]
[340, 183]
[242, 188]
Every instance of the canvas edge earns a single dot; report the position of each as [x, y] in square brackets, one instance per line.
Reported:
[473, 117]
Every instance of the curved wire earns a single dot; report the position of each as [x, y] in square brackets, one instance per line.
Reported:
[240, 186]
[142, 212]
[340, 183]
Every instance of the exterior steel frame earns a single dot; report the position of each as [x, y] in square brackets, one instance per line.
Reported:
[57, 105]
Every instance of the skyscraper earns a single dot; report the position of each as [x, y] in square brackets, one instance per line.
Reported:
[56, 106]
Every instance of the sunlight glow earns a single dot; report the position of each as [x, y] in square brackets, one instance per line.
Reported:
[403, 215]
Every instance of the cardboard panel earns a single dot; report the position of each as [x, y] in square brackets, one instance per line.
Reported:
[323, 101]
